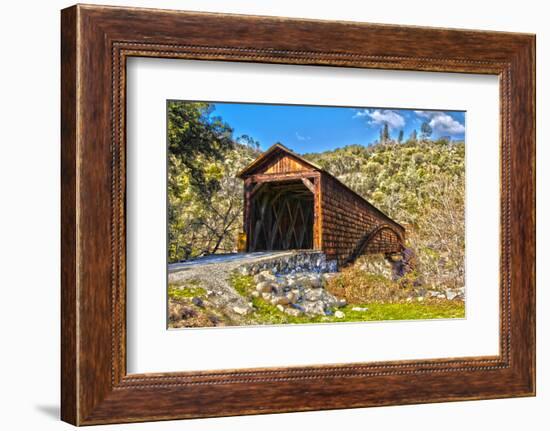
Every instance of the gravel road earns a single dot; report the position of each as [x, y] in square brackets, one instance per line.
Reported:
[213, 272]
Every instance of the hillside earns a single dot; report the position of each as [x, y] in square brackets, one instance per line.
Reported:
[420, 185]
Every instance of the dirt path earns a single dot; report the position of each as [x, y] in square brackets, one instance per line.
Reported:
[213, 272]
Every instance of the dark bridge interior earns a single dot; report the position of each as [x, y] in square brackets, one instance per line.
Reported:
[282, 217]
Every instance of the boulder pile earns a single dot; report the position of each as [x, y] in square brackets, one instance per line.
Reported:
[297, 293]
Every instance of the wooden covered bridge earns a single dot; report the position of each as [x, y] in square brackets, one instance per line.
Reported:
[290, 203]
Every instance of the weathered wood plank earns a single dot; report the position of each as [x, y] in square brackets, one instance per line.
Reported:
[281, 177]
[309, 185]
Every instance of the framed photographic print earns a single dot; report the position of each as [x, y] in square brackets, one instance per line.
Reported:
[279, 215]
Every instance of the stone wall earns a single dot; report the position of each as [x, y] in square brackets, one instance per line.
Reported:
[296, 262]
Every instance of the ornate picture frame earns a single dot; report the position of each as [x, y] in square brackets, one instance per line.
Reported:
[96, 41]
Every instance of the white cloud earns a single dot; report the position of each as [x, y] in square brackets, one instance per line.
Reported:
[445, 124]
[441, 123]
[425, 114]
[382, 116]
[302, 138]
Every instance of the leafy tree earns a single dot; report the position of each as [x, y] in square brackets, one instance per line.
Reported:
[425, 130]
[194, 136]
[443, 140]
[204, 196]
[249, 142]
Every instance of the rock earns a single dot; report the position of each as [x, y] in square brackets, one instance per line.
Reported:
[298, 307]
[281, 300]
[241, 310]
[198, 301]
[188, 312]
[328, 275]
[339, 314]
[255, 294]
[214, 319]
[340, 303]
[360, 309]
[264, 276]
[421, 292]
[265, 286]
[266, 296]
[450, 294]
[178, 312]
[309, 280]
[315, 280]
[291, 296]
[420, 298]
[293, 312]
[291, 282]
[280, 307]
[332, 266]
[278, 290]
[314, 308]
[301, 280]
[313, 294]
[282, 282]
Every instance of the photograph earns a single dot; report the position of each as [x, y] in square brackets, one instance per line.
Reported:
[297, 214]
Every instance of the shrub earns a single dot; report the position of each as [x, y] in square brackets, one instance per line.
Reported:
[358, 286]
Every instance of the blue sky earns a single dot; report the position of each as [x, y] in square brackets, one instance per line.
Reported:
[319, 128]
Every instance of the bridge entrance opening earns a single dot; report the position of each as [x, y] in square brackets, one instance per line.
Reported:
[282, 217]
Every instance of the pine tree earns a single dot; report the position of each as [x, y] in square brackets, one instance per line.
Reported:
[400, 137]
[385, 134]
[412, 137]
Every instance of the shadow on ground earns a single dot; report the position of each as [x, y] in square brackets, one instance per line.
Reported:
[51, 411]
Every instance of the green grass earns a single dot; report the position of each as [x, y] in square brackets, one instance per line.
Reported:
[405, 311]
[268, 314]
[243, 284]
[190, 289]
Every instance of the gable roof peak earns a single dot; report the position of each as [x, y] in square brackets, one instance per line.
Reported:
[277, 147]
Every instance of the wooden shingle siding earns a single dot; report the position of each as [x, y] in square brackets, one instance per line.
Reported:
[383, 242]
[347, 219]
